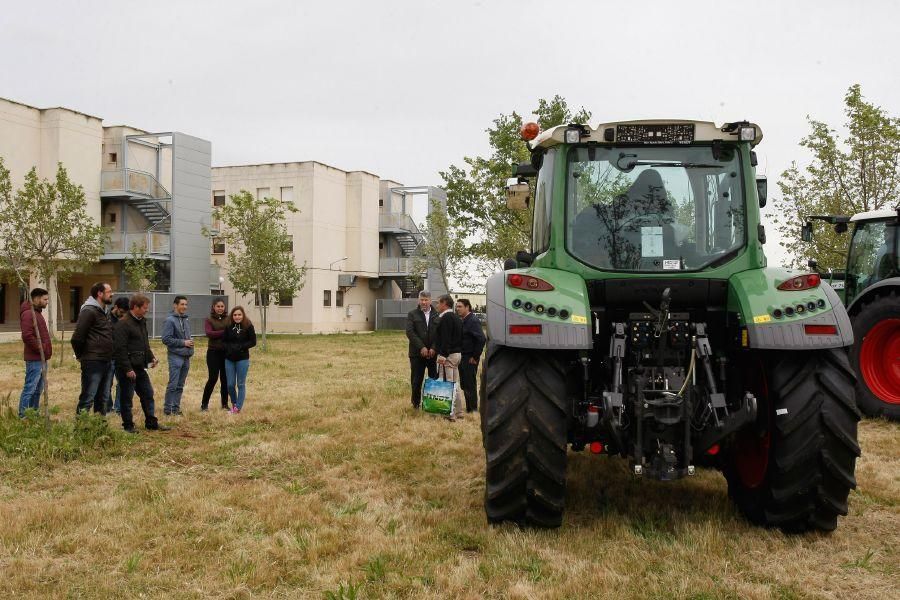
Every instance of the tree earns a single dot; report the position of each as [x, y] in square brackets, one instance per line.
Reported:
[859, 173]
[477, 192]
[47, 226]
[260, 258]
[140, 270]
[441, 247]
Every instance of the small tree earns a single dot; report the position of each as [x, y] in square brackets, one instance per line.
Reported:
[442, 247]
[260, 261]
[140, 270]
[857, 174]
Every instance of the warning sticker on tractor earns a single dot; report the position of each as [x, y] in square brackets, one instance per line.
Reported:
[671, 264]
[762, 319]
[651, 241]
[579, 319]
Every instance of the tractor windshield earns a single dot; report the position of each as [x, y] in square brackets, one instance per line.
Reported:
[873, 256]
[654, 208]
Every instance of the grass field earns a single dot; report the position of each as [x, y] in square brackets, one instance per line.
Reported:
[328, 485]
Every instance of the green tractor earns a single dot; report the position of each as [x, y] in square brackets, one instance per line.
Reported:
[645, 323]
[872, 296]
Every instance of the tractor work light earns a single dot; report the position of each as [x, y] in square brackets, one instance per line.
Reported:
[526, 282]
[573, 136]
[525, 329]
[800, 283]
[747, 134]
[529, 131]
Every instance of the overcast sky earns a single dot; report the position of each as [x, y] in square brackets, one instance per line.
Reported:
[404, 89]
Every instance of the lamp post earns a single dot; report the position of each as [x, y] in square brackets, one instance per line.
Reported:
[336, 262]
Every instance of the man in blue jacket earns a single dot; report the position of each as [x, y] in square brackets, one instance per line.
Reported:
[472, 347]
[176, 335]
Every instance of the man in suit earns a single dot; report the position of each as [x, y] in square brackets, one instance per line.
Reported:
[472, 347]
[421, 326]
[448, 345]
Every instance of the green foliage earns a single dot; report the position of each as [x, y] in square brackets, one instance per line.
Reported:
[477, 191]
[443, 246]
[88, 436]
[259, 260]
[140, 270]
[351, 592]
[858, 173]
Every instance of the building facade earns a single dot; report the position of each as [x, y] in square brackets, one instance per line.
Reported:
[353, 232]
[151, 190]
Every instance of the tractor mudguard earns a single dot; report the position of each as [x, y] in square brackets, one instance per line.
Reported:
[883, 287]
[555, 319]
[780, 320]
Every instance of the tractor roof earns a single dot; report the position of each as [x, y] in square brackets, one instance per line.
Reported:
[883, 213]
[704, 131]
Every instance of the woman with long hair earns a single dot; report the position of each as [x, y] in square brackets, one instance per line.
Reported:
[239, 338]
[215, 353]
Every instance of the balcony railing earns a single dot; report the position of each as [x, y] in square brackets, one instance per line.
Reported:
[398, 266]
[151, 242]
[397, 222]
[132, 183]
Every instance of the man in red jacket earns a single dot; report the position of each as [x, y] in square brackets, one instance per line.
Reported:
[32, 324]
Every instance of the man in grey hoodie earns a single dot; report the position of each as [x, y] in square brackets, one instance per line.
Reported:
[176, 335]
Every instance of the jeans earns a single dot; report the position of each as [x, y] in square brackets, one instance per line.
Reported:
[215, 364]
[417, 367]
[95, 378]
[34, 385]
[236, 373]
[178, 372]
[107, 396]
[144, 389]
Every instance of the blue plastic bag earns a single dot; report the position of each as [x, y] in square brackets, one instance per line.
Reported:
[438, 396]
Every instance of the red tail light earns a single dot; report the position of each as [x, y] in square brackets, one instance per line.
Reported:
[525, 329]
[820, 329]
[526, 282]
[801, 282]
[596, 447]
[713, 450]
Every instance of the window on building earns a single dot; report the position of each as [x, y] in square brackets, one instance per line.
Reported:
[327, 298]
[218, 246]
[2, 302]
[219, 198]
[381, 245]
[285, 299]
[289, 245]
[381, 202]
[113, 158]
[112, 217]
[263, 300]
[339, 298]
[287, 194]
[74, 303]
[262, 193]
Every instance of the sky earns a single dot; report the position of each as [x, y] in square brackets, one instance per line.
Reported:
[404, 89]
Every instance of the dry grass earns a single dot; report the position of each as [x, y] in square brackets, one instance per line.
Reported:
[329, 483]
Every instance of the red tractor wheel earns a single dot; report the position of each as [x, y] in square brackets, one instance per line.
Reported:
[876, 357]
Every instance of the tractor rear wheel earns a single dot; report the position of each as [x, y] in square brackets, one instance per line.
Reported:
[795, 469]
[876, 356]
[524, 420]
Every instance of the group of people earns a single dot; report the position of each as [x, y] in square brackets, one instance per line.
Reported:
[446, 344]
[111, 343]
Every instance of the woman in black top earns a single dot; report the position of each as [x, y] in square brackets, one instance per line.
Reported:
[239, 338]
[215, 353]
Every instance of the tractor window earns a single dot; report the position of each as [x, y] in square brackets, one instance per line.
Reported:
[873, 256]
[540, 235]
[654, 208]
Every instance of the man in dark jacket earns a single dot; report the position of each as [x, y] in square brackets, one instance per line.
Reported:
[421, 324]
[133, 355]
[119, 309]
[93, 345]
[34, 326]
[448, 348]
[176, 335]
[472, 347]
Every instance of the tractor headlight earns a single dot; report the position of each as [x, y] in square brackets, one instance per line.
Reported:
[573, 136]
[748, 134]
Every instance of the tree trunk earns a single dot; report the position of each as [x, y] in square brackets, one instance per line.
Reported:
[54, 284]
